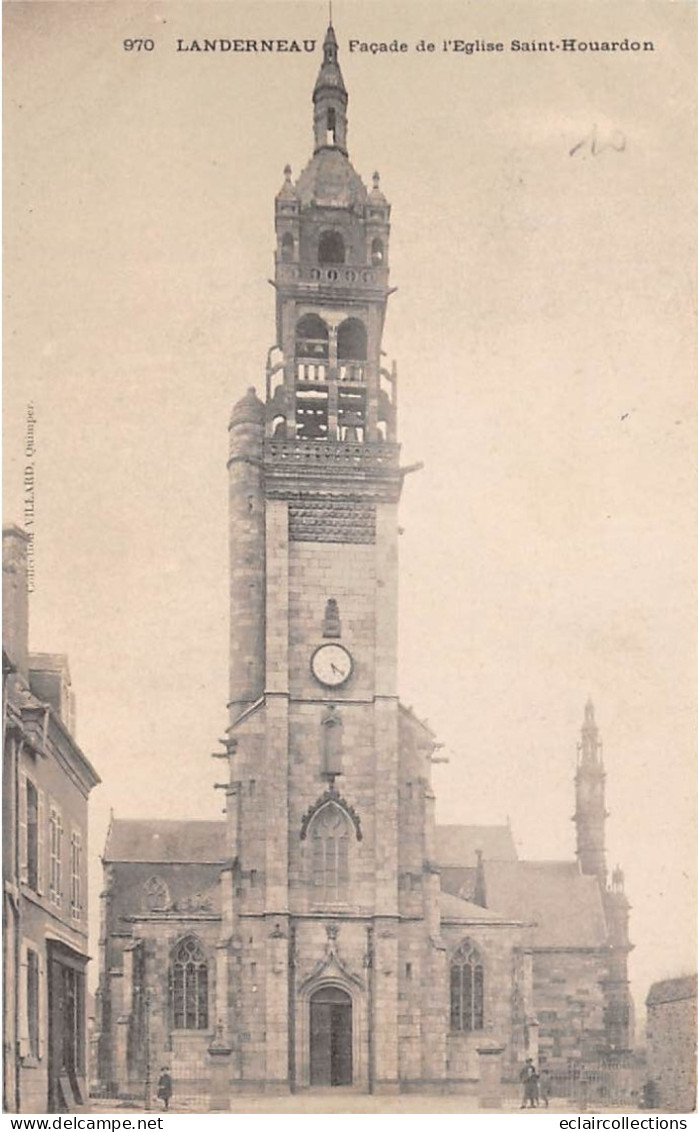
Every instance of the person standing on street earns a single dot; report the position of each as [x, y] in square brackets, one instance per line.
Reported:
[529, 1080]
[165, 1087]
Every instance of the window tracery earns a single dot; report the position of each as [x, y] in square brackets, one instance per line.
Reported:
[189, 986]
[157, 894]
[330, 854]
[467, 989]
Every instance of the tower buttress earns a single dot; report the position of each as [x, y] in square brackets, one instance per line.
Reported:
[247, 553]
[590, 797]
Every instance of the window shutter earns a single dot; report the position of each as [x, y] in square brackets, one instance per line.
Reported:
[59, 856]
[23, 1031]
[41, 842]
[43, 1005]
[22, 822]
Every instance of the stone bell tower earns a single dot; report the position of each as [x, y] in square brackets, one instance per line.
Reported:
[590, 794]
[333, 907]
[590, 818]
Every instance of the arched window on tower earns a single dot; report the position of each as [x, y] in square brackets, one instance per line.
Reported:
[287, 247]
[351, 371]
[189, 985]
[331, 126]
[331, 248]
[329, 838]
[312, 348]
[352, 345]
[467, 989]
[377, 252]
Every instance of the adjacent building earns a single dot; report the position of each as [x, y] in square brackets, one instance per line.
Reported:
[578, 939]
[46, 784]
[672, 1038]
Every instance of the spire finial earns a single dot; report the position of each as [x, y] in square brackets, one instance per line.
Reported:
[330, 3]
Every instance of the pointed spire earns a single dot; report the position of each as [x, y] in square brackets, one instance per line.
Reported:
[287, 190]
[590, 747]
[330, 75]
[330, 99]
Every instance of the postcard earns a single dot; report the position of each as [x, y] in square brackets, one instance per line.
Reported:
[349, 594]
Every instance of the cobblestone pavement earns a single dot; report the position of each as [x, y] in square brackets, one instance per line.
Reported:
[338, 1101]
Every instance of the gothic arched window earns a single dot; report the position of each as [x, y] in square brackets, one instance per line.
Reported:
[377, 252]
[331, 248]
[189, 986]
[467, 989]
[287, 247]
[330, 848]
[157, 894]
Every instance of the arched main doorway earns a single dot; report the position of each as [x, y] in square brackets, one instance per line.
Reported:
[330, 1037]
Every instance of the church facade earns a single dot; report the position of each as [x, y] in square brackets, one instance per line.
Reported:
[316, 936]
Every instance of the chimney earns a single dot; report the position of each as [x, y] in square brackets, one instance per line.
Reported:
[15, 597]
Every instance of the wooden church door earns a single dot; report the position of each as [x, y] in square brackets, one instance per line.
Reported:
[330, 1037]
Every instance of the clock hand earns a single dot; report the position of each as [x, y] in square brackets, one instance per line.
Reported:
[335, 669]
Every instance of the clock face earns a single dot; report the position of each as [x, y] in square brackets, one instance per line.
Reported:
[331, 665]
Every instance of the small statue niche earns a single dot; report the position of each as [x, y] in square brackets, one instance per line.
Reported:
[331, 743]
[331, 625]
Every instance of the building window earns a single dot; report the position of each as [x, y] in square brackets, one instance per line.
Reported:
[189, 979]
[33, 1002]
[330, 842]
[32, 835]
[467, 986]
[75, 875]
[157, 895]
[56, 850]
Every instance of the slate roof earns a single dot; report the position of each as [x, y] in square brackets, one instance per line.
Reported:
[565, 904]
[460, 882]
[172, 842]
[453, 909]
[457, 845]
[673, 990]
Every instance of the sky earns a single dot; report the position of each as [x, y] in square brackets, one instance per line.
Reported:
[543, 207]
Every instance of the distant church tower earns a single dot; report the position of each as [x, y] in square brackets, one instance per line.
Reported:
[335, 965]
[590, 811]
[590, 818]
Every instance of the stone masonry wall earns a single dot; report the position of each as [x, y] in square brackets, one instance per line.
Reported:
[671, 1060]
